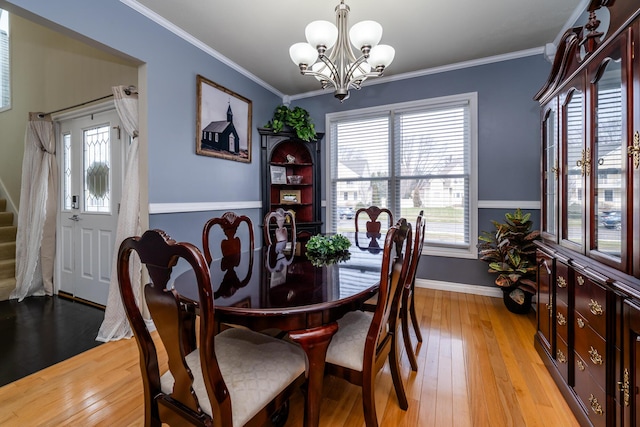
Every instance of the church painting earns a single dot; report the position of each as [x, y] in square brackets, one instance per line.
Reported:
[223, 125]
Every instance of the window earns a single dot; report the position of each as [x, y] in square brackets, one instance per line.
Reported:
[5, 84]
[409, 157]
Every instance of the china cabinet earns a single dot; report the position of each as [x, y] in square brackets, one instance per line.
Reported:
[588, 317]
[291, 177]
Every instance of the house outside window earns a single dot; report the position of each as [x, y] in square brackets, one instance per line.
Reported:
[5, 80]
[419, 155]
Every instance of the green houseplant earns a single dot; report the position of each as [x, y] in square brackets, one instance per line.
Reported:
[297, 119]
[324, 250]
[511, 254]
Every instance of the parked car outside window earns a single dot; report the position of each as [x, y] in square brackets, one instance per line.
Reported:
[612, 220]
[346, 212]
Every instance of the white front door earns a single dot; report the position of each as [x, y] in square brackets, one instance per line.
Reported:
[91, 156]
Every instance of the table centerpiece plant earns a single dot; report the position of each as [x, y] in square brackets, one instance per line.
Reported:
[511, 254]
[325, 250]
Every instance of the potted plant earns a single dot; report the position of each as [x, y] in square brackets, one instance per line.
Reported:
[297, 119]
[511, 254]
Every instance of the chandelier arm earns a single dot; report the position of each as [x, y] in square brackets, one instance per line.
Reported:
[323, 77]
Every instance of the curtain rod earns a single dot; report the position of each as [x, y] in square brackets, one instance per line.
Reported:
[128, 91]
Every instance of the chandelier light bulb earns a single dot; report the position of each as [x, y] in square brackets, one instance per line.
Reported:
[321, 33]
[381, 56]
[365, 33]
[303, 54]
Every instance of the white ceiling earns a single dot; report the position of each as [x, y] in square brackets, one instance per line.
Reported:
[255, 35]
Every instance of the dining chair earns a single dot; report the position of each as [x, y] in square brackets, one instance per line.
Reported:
[373, 226]
[231, 250]
[366, 340]
[232, 245]
[234, 378]
[280, 234]
[407, 305]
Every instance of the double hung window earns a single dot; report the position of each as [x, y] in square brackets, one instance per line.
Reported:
[409, 157]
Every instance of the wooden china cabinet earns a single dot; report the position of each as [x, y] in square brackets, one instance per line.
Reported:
[588, 314]
[285, 155]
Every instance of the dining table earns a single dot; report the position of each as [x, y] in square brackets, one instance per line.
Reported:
[282, 288]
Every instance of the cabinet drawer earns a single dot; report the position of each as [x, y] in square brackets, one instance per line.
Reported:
[562, 320]
[592, 349]
[591, 303]
[591, 395]
[562, 359]
[562, 282]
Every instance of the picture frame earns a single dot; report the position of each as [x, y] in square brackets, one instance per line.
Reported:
[289, 197]
[223, 122]
[278, 174]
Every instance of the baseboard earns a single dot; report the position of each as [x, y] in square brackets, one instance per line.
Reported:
[459, 287]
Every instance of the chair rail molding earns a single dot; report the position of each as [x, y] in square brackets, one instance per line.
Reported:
[162, 208]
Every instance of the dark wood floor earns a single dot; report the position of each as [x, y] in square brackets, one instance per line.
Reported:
[42, 331]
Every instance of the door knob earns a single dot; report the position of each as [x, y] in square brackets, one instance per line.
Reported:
[74, 218]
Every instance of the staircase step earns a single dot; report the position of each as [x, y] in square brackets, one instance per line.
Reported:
[6, 218]
[3, 205]
[7, 268]
[6, 286]
[7, 250]
[8, 233]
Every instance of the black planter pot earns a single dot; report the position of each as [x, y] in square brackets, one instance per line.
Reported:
[515, 306]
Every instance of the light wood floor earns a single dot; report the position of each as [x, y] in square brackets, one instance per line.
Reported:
[477, 367]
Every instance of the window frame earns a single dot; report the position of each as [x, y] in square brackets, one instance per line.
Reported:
[8, 59]
[469, 251]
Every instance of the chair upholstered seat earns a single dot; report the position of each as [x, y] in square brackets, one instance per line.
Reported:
[255, 368]
[346, 345]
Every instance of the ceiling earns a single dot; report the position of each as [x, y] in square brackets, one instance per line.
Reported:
[255, 35]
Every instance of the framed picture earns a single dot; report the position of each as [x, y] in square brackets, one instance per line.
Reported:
[278, 175]
[223, 124]
[289, 196]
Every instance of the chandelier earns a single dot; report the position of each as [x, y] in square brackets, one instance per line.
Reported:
[328, 56]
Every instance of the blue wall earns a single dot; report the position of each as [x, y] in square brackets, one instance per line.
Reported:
[509, 133]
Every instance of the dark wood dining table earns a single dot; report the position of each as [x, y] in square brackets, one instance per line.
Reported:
[280, 288]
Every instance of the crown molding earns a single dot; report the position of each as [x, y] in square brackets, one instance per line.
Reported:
[145, 11]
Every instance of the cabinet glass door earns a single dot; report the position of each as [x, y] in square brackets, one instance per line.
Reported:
[608, 182]
[577, 159]
[550, 173]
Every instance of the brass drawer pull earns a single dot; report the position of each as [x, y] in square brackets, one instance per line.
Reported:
[561, 282]
[595, 308]
[580, 323]
[561, 319]
[595, 405]
[595, 356]
[580, 280]
[560, 356]
[580, 365]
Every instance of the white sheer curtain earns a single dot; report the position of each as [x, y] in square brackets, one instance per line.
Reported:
[115, 325]
[35, 239]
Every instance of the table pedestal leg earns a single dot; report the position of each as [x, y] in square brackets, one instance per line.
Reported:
[314, 342]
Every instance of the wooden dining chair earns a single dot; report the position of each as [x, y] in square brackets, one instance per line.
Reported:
[232, 245]
[366, 340]
[373, 226]
[281, 233]
[231, 250]
[407, 306]
[237, 377]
